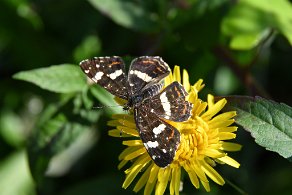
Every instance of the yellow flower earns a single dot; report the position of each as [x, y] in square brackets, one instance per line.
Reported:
[202, 145]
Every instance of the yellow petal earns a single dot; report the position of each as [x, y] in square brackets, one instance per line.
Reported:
[199, 85]
[128, 151]
[153, 174]
[213, 109]
[122, 164]
[143, 180]
[163, 176]
[113, 123]
[222, 117]
[134, 170]
[186, 81]
[177, 177]
[135, 154]
[124, 116]
[192, 175]
[206, 185]
[168, 79]
[192, 97]
[152, 180]
[226, 135]
[132, 142]
[228, 129]
[199, 108]
[127, 123]
[218, 124]
[214, 175]
[199, 172]
[230, 161]
[213, 153]
[227, 146]
[129, 131]
[176, 74]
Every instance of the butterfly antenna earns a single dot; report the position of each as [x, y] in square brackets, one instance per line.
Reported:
[104, 106]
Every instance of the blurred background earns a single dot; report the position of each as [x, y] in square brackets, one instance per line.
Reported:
[238, 47]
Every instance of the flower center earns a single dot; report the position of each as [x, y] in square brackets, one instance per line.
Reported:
[193, 141]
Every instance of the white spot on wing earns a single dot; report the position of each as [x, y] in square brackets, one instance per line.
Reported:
[97, 76]
[159, 129]
[115, 74]
[145, 77]
[165, 103]
[151, 144]
[163, 150]
[86, 71]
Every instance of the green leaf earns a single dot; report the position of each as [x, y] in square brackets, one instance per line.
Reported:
[49, 140]
[249, 22]
[269, 122]
[90, 46]
[64, 78]
[16, 176]
[12, 129]
[128, 14]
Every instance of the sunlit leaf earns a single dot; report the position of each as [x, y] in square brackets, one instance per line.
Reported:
[248, 21]
[16, 178]
[64, 78]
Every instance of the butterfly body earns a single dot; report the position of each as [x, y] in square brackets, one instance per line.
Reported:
[142, 88]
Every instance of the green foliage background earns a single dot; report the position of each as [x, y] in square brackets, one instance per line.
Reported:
[238, 47]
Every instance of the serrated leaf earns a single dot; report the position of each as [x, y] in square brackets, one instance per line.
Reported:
[269, 122]
[128, 14]
[248, 21]
[63, 78]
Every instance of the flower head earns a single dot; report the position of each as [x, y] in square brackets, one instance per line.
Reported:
[202, 144]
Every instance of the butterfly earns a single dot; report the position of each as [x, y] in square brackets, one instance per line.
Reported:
[142, 88]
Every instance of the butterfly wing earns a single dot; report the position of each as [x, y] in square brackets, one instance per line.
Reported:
[145, 71]
[170, 103]
[160, 139]
[108, 72]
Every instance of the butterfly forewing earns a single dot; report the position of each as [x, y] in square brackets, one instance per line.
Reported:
[170, 103]
[145, 71]
[108, 72]
[160, 139]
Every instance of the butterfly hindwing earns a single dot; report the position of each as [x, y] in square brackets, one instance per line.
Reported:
[108, 72]
[170, 103]
[146, 70]
[160, 139]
